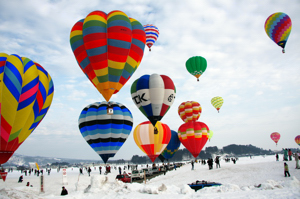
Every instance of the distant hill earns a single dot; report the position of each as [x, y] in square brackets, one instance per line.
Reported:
[180, 155]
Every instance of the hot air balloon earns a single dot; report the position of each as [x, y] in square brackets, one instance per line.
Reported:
[105, 127]
[210, 134]
[275, 137]
[193, 135]
[189, 111]
[149, 142]
[26, 92]
[196, 66]
[217, 102]
[151, 35]
[172, 147]
[108, 49]
[153, 95]
[297, 139]
[278, 27]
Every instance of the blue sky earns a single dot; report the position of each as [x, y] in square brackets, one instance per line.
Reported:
[259, 84]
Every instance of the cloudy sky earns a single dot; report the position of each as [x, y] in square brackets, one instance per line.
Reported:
[259, 84]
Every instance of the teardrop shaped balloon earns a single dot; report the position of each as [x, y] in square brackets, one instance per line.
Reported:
[149, 142]
[217, 102]
[26, 93]
[105, 127]
[172, 147]
[196, 66]
[108, 48]
[297, 139]
[193, 135]
[275, 137]
[152, 34]
[210, 134]
[153, 95]
[189, 111]
[278, 27]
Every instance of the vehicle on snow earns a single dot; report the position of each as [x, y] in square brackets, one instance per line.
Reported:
[124, 177]
[137, 174]
[148, 171]
[155, 170]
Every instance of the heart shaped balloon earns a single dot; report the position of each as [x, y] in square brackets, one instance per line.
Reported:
[108, 48]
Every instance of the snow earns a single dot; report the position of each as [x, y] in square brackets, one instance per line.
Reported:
[259, 177]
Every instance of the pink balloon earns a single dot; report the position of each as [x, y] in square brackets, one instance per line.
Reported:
[275, 137]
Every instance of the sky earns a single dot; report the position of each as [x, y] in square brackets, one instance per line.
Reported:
[259, 84]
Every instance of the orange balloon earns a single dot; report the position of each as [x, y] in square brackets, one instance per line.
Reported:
[150, 142]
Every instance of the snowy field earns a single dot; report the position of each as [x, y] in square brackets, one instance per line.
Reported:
[238, 180]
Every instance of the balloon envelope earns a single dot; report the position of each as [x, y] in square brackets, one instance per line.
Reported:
[152, 33]
[297, 139]
[193, 135]
[26, 92]
[275, 137]
[108, 49]
[105, 132]
[153, 95]
[196, 66]
[278, 27]
[217, 102]
[189, 111]
[150, 143]
[172, 147]
[210, 134]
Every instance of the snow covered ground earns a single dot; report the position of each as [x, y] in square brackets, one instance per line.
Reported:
[238, 181]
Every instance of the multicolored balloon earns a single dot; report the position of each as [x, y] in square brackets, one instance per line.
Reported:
[26, 93]
[152, 33]
[151, 143]
[217, 102]
[297, 139]
[193, 135]
[105, 131]
[278, 27]
[275, 137]
[108, 48]
[196, 66]
[172, 147]
[153, 95]
[189, 111]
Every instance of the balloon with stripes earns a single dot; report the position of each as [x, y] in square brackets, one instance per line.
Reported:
[105, 131]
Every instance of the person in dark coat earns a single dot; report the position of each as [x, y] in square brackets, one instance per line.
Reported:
[64, 191]
[20, 179]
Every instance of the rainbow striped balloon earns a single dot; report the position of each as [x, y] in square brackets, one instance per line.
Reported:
[26, 92]
[108, 48]
[278, 27]
[152, 33]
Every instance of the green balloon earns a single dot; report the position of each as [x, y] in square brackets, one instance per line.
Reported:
[196, 66]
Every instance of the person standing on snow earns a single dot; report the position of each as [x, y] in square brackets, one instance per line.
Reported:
[286, 170]
[277, 156]
[192, 165]
[290, 154]
[285, 154]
